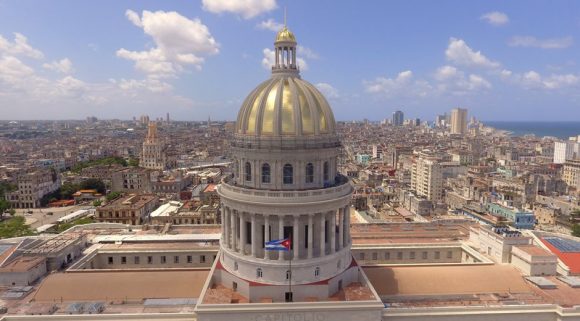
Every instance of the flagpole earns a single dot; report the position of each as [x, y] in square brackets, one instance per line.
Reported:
[290, 263]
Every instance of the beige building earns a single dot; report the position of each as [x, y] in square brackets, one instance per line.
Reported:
[571, 173]
[427, 178]
[132, 180]
[132, 209]
[32, 186]
[459, 121]
[154, 154]
[534, 261]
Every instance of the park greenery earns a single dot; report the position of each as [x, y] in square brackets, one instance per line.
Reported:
[102, 161]
[5, 188]
[81, 221]
[68, 189]
[14, 227]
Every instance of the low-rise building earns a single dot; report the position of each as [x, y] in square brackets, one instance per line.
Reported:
[534, 261]
[519, 218]
[132, 209]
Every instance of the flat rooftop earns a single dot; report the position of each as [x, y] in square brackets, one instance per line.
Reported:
[385, 233]
[111, 286]
[446, 280]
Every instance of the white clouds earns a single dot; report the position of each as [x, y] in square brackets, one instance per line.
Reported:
[534, 80]
[179, 42]
[495, 18]
[63, 66]
[270, 24]
[401, 85]
[20, 46]
[270, 58]
[552, 43]
[328, 90]
[460, 53]
[245, 8]
[450, 80]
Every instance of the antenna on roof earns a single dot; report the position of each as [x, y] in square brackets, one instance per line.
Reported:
[284, 16]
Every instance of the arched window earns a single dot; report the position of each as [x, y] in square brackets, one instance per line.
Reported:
[326, 172]
[288, 174]
[309, 173]
[248, 172]
[259, 272]
[317, 271]
[288, 274]
[265, 173]
[235, 266]
[339, 264]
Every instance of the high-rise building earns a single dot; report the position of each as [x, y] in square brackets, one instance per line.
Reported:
[286, 188]
[427, 178]
[398, 118]
[459, 121]
[154, 153]
[571, 173]
[167, 117]
[564, 151]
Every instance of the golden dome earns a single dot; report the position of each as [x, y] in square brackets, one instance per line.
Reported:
[285, 35]
[285, 106]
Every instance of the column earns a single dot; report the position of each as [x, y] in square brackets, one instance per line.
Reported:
[310, 231]
[225, 230]
[322, 232]
[254, 236]
[242, 233]
[233, 230]
[347, 225]
[266, 233]
[296, 237]
[280, 235]
[332, 232]
[340, 228]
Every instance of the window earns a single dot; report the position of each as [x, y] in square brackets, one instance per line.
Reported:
[110, 260]
[387, 255]
[375, 256]
[361, 255]
[189, 259]
[399, 255]
[202, 259]
[326, 170]
[248, 172]
[123, 260]
[288, 174]
[249, 232]
[259, 272]
[235, 286]
[163, 259]
[137, 260]
[309, 173]
[437, 255]
[176, 259]
[412, 255]
[288, 274]
[235, 266]
[424, 255]
[339, 264]
[265, 173]
[449, 254]
[149, 260]
[317, 271]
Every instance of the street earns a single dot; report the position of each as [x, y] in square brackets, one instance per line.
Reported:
[40, 217]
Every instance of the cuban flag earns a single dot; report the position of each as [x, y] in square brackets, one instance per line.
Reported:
[278, 245]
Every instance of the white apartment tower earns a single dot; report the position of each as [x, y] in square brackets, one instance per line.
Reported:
[459, 121]
[566, 150]
[427, 178]
[154, 154]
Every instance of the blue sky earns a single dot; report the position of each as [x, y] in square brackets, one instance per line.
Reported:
[503, 60]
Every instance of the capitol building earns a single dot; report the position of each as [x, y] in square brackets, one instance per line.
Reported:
[285, 185]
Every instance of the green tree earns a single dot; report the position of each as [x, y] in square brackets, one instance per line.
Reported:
[133, 162]
[576, 230]
[94, 183]
[14, 227]
[67, 190]
[113, 195]
[97, 203]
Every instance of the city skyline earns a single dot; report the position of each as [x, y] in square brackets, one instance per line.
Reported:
[501, 61]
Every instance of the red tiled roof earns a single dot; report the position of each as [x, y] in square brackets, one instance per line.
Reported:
[571, 259]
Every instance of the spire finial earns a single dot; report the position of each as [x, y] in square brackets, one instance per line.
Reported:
[284, 16]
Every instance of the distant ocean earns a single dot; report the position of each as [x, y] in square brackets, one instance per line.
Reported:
[561, 129]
